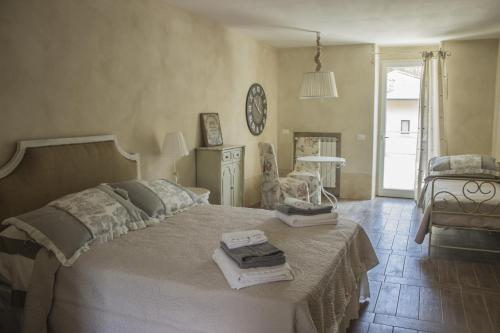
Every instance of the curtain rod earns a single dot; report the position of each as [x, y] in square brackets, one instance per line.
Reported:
[447, 53]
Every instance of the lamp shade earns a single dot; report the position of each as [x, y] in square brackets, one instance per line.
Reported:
[318, 85]
[174, 145]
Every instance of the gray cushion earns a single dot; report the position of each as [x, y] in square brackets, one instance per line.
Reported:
[64, 230]
[140, 196]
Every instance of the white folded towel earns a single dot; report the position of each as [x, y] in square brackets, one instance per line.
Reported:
[307, 220]
[237, 239]
[240, 278]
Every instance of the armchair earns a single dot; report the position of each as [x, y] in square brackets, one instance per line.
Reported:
[308, 171]
[276, 189]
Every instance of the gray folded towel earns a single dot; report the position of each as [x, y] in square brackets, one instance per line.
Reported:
[253, 256]
[291, 210]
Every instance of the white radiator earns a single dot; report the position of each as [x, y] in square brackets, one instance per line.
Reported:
[328, 147]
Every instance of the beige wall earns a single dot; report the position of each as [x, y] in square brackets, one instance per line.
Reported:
[496, 118]
[137, 69]
[469, 107]
[349, 114]
[407, 53]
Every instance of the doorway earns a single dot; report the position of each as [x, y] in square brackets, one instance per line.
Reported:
[398, 128]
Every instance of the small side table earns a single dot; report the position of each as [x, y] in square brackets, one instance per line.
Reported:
[203, 193]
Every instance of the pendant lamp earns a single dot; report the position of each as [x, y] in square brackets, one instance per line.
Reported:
[318, 84]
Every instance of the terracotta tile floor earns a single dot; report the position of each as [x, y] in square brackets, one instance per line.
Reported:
[452, 291]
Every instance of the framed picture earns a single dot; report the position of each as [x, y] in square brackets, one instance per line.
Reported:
[210, 128]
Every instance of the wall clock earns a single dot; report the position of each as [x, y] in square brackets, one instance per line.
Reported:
[256, 109]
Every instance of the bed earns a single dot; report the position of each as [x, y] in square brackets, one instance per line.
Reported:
[162, 278]
[461, 201]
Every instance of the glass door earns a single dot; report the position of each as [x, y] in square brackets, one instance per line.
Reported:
[400, 93]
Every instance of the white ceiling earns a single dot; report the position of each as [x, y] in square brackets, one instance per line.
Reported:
[385, 22]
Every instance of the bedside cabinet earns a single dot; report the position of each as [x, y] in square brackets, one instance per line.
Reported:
[221, 170]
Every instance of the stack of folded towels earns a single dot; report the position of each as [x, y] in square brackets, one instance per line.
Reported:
[299, 213]
[246, 259]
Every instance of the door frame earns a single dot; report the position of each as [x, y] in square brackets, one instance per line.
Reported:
[384, 64]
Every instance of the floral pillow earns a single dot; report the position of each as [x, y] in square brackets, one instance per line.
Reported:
[471, 165]
[175, 198]
[68, 226]
[159, 198]
[104, 213]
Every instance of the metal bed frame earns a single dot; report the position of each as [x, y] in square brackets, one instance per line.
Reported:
[473, 206]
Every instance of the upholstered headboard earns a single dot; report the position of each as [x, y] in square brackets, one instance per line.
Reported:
[43, 170]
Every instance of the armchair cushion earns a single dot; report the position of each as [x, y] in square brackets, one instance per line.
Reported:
[275, 189]
[293, 188]
[313, 183]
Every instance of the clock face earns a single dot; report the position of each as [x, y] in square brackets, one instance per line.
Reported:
[256, 109]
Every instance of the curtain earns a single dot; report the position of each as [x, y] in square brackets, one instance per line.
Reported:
[431, 138]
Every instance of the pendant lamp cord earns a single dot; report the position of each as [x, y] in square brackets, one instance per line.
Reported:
[317, 59]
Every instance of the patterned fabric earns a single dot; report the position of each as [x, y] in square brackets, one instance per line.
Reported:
[275, 189]
[313, 181]
[308, 171]
[104, 216]
[463, 165]
[174, 197]
[270, 188]
[293, 188]
[307, 146]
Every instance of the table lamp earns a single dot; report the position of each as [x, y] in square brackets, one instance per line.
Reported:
[174, 147]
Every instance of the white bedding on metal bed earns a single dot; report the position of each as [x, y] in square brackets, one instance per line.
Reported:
[458, 202]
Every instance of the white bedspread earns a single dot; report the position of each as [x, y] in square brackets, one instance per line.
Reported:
[163, 279]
